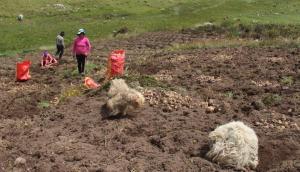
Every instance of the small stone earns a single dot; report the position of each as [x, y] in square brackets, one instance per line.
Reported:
[210, 109]
[283, 118]
[210, 102]
[295, 126]
[20, 161]
[257, 123]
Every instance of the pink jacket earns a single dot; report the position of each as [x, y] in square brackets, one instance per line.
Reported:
[81, 46]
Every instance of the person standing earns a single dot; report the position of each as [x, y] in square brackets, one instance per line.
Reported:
[81, 49]
[60, 45]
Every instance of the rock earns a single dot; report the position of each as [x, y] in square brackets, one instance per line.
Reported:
[210, 109]
[224, 107]
[210, 102]
[20, 162]
[295, 126]
[258, 123]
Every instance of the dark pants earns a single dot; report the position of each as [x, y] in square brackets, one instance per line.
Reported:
[81, 62]
[60, 50]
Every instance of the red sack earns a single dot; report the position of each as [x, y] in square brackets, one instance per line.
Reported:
[116, 63]
[90, 83]
[22, 71]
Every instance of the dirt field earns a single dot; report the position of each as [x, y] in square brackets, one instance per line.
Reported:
[259, 86]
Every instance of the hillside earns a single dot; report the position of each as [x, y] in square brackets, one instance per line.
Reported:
[43, 19]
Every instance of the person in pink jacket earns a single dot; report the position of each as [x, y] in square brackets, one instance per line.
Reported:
[81, 49]
[47, 60]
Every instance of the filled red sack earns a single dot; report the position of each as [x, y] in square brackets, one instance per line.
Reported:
[90, 83]
[22, 71]
[116, 62]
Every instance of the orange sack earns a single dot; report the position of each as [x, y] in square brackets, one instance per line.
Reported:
[22, 71]
[90, 83]
[116, 62]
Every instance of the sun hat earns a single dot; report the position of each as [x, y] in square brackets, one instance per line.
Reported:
[80, 31]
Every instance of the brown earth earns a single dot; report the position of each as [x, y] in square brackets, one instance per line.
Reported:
[171, 132]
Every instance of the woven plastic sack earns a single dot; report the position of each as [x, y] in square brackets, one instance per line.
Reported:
[90, 83]
[116, 63]
[22, 70]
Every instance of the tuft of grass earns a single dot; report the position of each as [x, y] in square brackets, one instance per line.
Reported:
[272, 99]
[72, 91]
[69, 73]
[287, 80]
[43, 104]
[145, 81]
[91, 67]
[229, 94]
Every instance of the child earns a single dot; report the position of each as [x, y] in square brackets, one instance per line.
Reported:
[47, 60]
[60, 45]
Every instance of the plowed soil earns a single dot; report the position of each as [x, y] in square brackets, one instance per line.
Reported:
[259, 86]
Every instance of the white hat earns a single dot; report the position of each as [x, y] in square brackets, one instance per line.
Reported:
[80, 31]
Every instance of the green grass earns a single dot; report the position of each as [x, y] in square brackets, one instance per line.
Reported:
[43, 104]
[287, 80]
[42, 20]
[71, 91]
[90, 68]
[229, 94]
[272, 99]
[144, 80]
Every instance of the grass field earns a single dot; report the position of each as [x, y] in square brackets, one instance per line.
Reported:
[43, 19]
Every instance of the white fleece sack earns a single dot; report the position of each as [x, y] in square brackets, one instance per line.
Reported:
[234, 144]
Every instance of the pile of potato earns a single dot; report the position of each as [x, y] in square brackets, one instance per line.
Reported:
[171, 100]
[278, 124]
